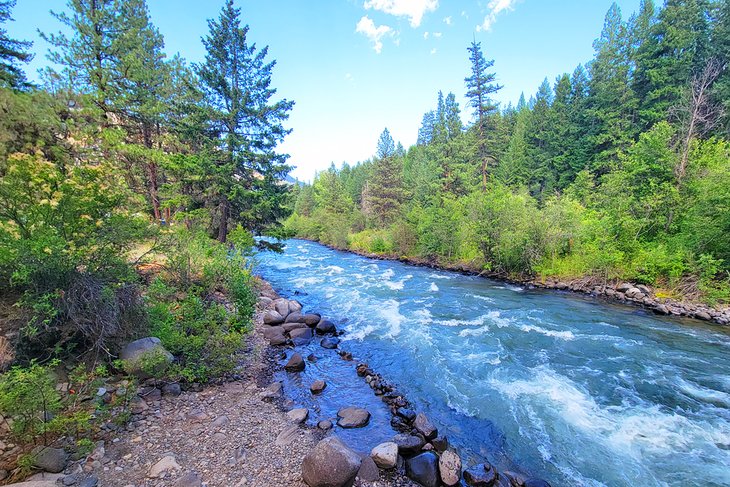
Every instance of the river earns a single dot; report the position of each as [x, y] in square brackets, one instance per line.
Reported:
[570, 389]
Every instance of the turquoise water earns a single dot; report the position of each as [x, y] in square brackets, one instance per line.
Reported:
[570, 389]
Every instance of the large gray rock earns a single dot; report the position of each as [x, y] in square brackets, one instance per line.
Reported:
[330, 342]
[330, 464]
[385, 455]
[49, 459]
[301, 335]
[481, 475]
[408, 444]
[424, 469]
[368, 470]
[288, 327]
[272, 318]
[272, 331]
[311, 319]
[295, 306]
[295, 317]
[163, 466]
[282, 307]
[533, 482]
[450, 468]
[295, 363]
[425, 426]
[134, 355]
[352, 417]
[317, 386]
[325, 326]
[298, 415]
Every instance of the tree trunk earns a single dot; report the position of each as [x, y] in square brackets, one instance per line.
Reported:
[223, 226]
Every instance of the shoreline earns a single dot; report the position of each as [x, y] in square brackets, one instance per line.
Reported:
[615, 292]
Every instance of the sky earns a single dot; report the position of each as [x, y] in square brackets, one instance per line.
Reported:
[355, 67]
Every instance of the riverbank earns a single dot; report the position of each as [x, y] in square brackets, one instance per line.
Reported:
[610, 291]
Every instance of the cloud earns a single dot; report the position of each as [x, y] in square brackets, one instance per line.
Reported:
[495, 8]
[367, 27]
[425, 35]
[413, 9]
[433, 51]
[437, 35]
[447, 20]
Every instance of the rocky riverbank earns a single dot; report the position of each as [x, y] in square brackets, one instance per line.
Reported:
[611, 291]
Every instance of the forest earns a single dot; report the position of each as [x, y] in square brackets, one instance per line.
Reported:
[617, 171]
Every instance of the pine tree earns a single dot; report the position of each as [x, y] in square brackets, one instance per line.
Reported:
[386, 145]
[480, 88]
[236, 80]
[12, 52]
[452, 116]
[425, 133]
[385, 188]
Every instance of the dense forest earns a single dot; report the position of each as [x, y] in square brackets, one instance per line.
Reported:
[619, 170]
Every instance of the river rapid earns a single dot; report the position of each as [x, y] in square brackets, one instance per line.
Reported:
[567, 388]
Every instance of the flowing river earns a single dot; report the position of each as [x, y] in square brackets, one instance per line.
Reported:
[568, 388]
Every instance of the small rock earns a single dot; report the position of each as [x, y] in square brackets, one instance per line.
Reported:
[423, 469]
[220, 421]
[49, 459]
[331, 463]
[295, 363]
[385, 455]
[408, 444]
[368, 470]
[325, 425]
[164, 465]
[197, 416]
[440, 443]
[298, 415]
[325, 326]
[317, 386]
[450, 468]
[272, 392]
[311, 319]
[407, 414]
[353, 417]
[330, 342]
[287, 436]
[190, 479]
[135, 352]
[481, 475]
[425, 427]
[173, 389]
[90, 482]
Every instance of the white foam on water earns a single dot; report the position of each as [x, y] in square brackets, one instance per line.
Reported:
[388, 274]
[704, 394]
[358, 334]
[423, 316]
[563, 335]
[440, 276]
[481, 298]
[389, 311]
[491, 358]
[333, 269]
[474, 332]
[433, 288]
[283, 265]
[307, 281]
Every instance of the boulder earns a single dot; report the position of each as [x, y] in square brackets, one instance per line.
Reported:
[278, 340]
[325, 326]
[295, 317]
[533, 482]
[481, 475]
[385, 455]
[408, 444]
[272, 318]
[352, 417]
[425, 427]
[289, 327]
[272, 331]
[317, 386]
[644, 289]
[295, 363]
[368, 471]
[325, 425]
[49, 459]
[301, 333]
[623, 287]
[440, 443]
[330, 464]
[281, 306]
[135, 353]
[173, 389]
[330, 342]
[311, 319]
[295, 306]
[424, 469]
[634, 293]
[405, 413]
[450, 468]
[165, 464]
[298, 415]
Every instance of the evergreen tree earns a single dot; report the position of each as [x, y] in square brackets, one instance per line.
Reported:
[480, 88]
[236, 80]
[386, 145]
[425, 133]
[12, 52]
[385, 188]
[452, 116]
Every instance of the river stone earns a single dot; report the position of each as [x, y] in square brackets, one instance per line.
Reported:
[295, 363]
[325, 326]
[425, 427]
[317, 386]
[295, 306]
[298, 415]
[272, 318]
[165, 464]
[623, 287]
[287, 435]
[272, 391]
[330, 342]
[190, 479]
[481, 475]
[533, 482]
[423, 469]
[368, 470]
[385, 455]
[450, 468]
[289, 327]
[407, 414]
[272, 331]
[408, 444]
[295, 317]
[440, 443]
[49, 459]
[134, 353]
[325, 425]
[330, 464]
[303, 333]
[281, 306]
[173, 389]
[352, 417]
[311, 319]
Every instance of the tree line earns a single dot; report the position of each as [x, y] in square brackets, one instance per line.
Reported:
[618, 170]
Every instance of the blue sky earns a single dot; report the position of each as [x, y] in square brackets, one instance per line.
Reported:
[354, 67]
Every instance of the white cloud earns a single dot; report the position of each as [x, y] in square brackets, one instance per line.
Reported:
[425, 35]
[495, 8]
[437, 35]
[447, 20]
[433, 51]
[375, 33]
[413, 9]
